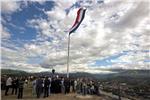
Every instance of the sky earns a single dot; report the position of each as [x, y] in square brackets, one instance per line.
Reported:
[115, 34]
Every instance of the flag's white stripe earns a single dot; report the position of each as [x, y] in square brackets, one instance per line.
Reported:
[74, 26]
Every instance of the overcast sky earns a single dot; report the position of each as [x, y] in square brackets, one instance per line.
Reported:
[115, 34]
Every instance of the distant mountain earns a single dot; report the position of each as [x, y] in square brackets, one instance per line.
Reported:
[13, 72]
[132, 77]
[119, 73]
[133, 73]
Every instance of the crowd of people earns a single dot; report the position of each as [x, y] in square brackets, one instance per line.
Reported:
[15, 83]
[45, 86]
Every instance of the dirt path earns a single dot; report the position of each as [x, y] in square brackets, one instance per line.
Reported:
[72, 96]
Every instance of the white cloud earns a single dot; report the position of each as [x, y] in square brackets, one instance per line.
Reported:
[4, 33]
[93, 39]
[9, 6]
[39, 1]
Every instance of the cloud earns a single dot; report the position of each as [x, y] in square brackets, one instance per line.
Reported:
[16, 57]
[9, 6]
[138, 9]
[93, 39]
[4, 33]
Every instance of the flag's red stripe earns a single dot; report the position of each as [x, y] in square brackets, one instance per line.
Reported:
[77, 18]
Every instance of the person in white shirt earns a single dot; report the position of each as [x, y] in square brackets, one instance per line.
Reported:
[75, 85]
[50, 85]
[34, 87]
[8, 85]
[62, 86]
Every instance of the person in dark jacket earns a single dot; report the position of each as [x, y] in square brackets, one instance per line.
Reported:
[39, 83]
[72, 85]
[67, 86]
[20, 86]
[57, 85]
[15, 84]
[46, 87]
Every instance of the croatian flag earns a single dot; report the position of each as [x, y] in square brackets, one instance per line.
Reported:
[79, 19]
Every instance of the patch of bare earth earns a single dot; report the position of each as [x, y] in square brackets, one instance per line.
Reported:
[27, 95]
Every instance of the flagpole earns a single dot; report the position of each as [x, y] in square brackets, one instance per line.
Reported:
[68, 56]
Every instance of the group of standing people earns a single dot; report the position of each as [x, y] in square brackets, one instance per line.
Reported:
[47, 85]
[17, 85]
[53, 85]
[41, 85]
[44, 86]
[85, 86]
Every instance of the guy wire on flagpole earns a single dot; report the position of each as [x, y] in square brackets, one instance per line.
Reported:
[68, 56]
